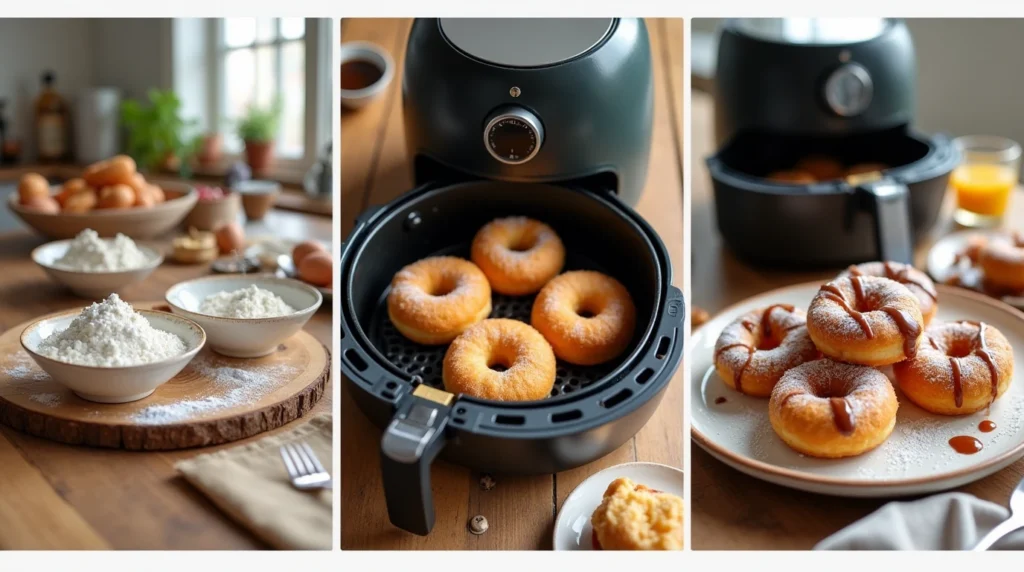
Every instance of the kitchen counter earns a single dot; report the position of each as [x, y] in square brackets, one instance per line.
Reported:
[730, 510]
[520, 510]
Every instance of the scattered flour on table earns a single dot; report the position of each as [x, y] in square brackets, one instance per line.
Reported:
[249, 302]
[47, 399]
[111, 334]
[232, 387]
[21, 367]
[90, 253]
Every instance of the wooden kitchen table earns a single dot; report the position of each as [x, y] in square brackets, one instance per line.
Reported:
[730, 510]
[520, 510]
[55, 496]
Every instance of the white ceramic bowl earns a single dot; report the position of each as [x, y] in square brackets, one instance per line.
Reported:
[374, 54]
[245, 337]
[114, 384]
[92, 285]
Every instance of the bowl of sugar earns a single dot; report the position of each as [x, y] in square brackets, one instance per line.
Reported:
[110, 352]
[94, 267]
[245, 316]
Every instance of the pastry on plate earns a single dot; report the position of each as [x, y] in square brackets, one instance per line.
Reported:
[632, 516]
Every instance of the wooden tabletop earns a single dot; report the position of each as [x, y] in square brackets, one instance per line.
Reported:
[730, 510]
[55, 496]
[520, 510]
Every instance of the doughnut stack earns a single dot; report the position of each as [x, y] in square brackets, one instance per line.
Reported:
[1000, 259]
[827, 396]
[581, 317]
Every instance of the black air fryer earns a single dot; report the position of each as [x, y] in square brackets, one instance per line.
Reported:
[549, 119]
[787, 89]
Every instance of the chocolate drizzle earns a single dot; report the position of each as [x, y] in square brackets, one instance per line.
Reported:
[903, 277]
[965, 445]
[766, 326]
[842, 413]
[988, 359]
[832, 292]
[909, 328]
[738, 376]
[958, 388]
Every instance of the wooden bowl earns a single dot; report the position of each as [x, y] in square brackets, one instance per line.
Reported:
[134, 222]
[211, 214]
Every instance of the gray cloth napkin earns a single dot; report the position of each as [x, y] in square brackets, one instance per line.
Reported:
[951, 521]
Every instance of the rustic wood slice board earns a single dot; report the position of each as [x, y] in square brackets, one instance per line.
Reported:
[215, 399]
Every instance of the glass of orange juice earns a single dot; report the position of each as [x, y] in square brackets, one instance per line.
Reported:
[988, 172]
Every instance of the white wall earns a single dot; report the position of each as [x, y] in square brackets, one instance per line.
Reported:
[132, 54]
[969, 78]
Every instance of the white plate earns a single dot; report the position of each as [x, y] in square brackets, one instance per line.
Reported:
[572, 528]
[942, 257]
[917, 457]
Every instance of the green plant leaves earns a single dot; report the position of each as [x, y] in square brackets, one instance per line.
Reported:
[157, 131]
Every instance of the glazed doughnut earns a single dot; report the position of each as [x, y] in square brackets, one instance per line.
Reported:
[820, 167]
[518, 255]
[794, 176]
[866, 320]
[918, 282]
[753, 352]
[500, 359]
[118, 170]
[962, 367]
[435, 299]
[829, 409]
[1002, 261]
[587, 317]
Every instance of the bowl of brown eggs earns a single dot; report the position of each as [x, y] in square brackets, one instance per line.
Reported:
[109, 197]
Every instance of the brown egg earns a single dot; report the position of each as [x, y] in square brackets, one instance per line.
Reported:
[317, 268]
[47, 205]
[230, 237]
[157, 193]
[116, 197]
[144, 198]
[69, 188]
[304, 249]
[117, 170]
[140, 187]
[31, 186]
[81, 202]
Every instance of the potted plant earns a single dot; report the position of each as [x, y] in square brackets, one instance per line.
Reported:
[258, 129]
[209, 153]
[158, 137]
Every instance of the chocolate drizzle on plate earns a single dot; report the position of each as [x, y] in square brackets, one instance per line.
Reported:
[965, 444]
[987, 426]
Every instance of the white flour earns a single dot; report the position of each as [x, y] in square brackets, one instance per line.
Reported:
[90, 253]
[249, 302]
[47, 399]
[111, 334]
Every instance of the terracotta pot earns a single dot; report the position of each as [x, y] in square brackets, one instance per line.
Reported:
[171, 164]
[259, 155]
[210, 149]
[211, 214]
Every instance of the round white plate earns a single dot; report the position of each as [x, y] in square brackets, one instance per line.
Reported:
[915, 459]
[572, 528]
[942, 260]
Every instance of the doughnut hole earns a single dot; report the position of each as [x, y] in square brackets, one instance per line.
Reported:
[523, 242]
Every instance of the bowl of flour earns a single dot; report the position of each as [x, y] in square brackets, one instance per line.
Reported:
[245, 315]
[110, 352]
[94, 267]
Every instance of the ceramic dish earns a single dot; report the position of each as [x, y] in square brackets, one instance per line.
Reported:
[572, 527]
[245, 337]
[114, 384]
[917, 457]
[942, 263]
[92, 285]
[375, 55]
[133, 222]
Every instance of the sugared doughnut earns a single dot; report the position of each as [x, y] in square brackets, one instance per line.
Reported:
[962, 367]
[753, 352]
[500, 359]
[795, 176]
[118, 170]
[587, 317]
[518, 255]
[1002, 261]
[918, 282]
[866, 320]
[821, 168]
[435, 299]
[829, 409]
[632, 516]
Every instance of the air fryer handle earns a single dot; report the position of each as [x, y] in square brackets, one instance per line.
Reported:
[890, 204]
[409, 446]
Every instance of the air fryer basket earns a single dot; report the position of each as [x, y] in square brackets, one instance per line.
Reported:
[591, 411]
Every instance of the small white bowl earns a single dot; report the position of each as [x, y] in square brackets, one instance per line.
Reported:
[92, 285]
[245, 337]
[374, 54]
[114, 384]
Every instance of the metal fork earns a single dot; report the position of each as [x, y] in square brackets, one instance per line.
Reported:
[1014, 523]
[304, 468]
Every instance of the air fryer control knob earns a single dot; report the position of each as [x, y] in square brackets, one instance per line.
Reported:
[513, 135]
[848, 90]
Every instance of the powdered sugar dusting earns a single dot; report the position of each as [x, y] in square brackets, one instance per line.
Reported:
[47, 399]
[21, 367]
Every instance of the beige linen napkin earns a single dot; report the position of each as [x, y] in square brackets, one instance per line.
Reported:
[951, 521]
[251, 485]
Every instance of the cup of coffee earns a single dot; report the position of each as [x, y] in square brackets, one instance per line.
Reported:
[366, 71]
